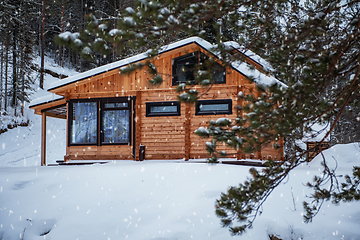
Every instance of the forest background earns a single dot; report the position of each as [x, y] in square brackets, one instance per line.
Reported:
[314, 49]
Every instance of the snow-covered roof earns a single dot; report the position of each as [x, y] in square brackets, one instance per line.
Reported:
[50, 97]
[242, 67]
[250, 54]
[129, 60]
[317, 134]
[259, 77]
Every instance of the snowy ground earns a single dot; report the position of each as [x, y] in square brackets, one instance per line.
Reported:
[150, 199]
[153, 199]
[21, 146]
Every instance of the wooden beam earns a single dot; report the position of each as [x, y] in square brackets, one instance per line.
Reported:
[54, 115]
[240, 101]
[43, 139]
[66, 157]
[44, 106]
[187, 131]
[138, 123]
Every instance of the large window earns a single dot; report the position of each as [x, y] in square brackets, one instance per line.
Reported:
[115, 123]
[84, 123]
[158, 109]
[185, 66]
[214, 107]
[99, 122]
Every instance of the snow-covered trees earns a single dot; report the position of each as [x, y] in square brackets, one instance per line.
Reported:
[21, 40]
[312, 46]
[16, 45]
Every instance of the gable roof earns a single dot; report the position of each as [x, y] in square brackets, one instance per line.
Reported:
[121, 63]
[250, 54]
[241, 67]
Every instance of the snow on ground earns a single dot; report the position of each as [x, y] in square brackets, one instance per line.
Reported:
[157, 200]
[22, 146]
[150, 199]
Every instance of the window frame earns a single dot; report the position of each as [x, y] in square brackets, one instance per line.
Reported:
[175, 61]
[100, 104]
[70, 122]
[163, 114]
[103, 109]
[199, 56]
[198, 111]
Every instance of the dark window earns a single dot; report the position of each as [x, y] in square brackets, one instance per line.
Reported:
[98, 122]
[213, 107]
[115, 123]
[83, 123]
[185, 66]
[156, 109]
[116, 105]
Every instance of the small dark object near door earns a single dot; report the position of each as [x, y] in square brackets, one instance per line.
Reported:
[141, 152]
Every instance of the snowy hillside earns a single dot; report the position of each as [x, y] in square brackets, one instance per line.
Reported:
[150, 199]
[21, 146]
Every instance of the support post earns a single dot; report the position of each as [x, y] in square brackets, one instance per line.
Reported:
[187, 131]
[240, 102]
[138, 123]
[67, 157]
[43, 139]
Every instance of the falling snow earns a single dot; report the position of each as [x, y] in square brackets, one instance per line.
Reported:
[150, 199]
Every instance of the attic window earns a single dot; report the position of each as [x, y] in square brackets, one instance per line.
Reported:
[185, 66]
[213, 107]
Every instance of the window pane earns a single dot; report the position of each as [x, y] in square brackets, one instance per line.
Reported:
[210, 107]
[214, 107]
[116, 105]
[184, 67]
[84, 123]
[163, 109]
[116, 126]
[185, 71]
[219, 76]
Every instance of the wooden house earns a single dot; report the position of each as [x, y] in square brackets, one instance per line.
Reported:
[110, 114]
[314, 148]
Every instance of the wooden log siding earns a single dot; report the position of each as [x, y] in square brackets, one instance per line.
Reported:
[170, 137]
[163, 137]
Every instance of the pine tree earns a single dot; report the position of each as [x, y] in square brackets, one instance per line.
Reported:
[17, 46]
[313, 46]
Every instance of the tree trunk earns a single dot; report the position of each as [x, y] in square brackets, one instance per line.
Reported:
[22, 75]
[62, 30]
[1, 78]
[42, 46]
[6, 77]
[14, 78]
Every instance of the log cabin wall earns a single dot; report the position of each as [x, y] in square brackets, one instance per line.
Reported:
[165, 137]
[197, 149]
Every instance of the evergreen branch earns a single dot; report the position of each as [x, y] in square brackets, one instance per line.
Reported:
[343, 106]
